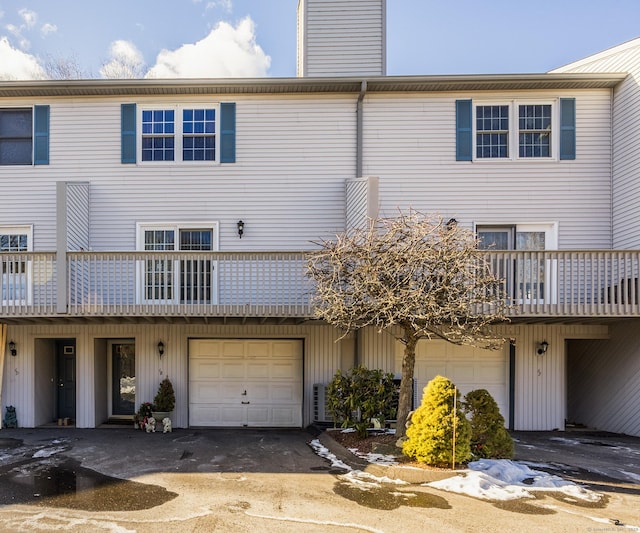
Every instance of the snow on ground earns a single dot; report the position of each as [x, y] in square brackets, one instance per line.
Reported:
[502, 479]
[487, 479]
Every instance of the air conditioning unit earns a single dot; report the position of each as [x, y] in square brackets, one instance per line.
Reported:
[320, 412]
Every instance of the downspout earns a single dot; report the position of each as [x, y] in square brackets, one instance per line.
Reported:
[359, 128]
[359, 135]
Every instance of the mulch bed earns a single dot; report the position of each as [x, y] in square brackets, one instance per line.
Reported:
[362, 444]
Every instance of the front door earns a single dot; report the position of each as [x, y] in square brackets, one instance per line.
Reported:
[66, 372]
[123, 382]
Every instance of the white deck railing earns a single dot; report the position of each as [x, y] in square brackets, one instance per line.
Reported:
[576, 283]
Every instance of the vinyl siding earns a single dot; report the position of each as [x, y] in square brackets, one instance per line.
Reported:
[409, 142]
[294, 155]
[341, 38]
[626, 136]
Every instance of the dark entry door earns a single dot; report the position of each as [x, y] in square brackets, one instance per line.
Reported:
[124, 378]
[66, 350]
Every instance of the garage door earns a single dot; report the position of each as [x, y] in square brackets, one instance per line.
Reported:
[245, 382]
[467, 367]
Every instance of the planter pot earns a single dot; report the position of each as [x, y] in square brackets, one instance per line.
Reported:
[159, 415]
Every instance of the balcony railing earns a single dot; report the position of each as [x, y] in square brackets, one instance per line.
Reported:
[576, 283]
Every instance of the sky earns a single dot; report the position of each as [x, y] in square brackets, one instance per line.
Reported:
[257, 38]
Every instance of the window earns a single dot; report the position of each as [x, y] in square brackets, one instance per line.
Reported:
[158, 135]
[179, 134]
[492, 131]
[515, 130]
[534, 130]
[186, 279]
[16, 136]
[15, 267]
[24, 136]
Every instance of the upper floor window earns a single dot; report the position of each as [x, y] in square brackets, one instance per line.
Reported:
[16, 136]
[534, 130]
[495, 135]
[516, 130]
[179, 134]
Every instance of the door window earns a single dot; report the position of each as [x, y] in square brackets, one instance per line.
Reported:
[123, 369]
[16, 285]
[187, 279]
[528, 277]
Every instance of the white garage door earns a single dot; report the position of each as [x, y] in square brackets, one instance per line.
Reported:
[467, 367]
[245, 382]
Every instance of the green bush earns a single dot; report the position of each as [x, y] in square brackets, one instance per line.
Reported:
[353, 399]
[165, 399]
[489, 437]
[430, 437]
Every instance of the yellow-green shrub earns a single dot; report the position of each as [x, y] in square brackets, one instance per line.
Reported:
[430, 435]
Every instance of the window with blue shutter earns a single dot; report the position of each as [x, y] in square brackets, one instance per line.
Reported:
[128, 133]
[567, 128]
[41, 135]
[464, 140]
[227, 132]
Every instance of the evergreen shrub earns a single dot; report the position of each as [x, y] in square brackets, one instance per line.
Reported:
[489, 438]
[353, 399]
[430, 437]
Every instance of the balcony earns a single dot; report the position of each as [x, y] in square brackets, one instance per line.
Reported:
[576, 285]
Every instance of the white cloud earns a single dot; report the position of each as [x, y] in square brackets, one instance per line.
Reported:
[29, 17]
[125, 62]
[18, 65]
[225, 5]
[16, 31]
[227, 52]
[48, 28]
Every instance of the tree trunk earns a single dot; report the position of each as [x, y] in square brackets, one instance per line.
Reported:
[406, 385]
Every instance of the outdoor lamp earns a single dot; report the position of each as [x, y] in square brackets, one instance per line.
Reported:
[542, 348]
[161, 348]
[240, 228]
[12, 348]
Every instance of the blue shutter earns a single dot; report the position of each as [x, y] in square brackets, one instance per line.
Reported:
[128, 133]
[227, 132]
[464, 140]
[567, 128]
[41, 135]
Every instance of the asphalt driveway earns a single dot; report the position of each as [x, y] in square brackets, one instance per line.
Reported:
[271, 480]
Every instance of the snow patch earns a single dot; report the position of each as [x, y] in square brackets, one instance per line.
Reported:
[47, 452]
[502, 479]
[324, 452]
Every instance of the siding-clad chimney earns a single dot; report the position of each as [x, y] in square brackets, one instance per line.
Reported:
[341, 38]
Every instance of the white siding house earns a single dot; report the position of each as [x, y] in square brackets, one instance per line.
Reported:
[180, 212]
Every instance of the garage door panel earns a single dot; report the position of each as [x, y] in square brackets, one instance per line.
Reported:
[258, 349]
[232, 349]
[258, 416]
[232, 370]
[206, 369]
[257, 370]
[286, 369]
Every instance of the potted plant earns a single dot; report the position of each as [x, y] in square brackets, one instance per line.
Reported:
[143, 414]
[164, 401]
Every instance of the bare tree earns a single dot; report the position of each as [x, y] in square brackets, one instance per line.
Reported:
[416, 273]
[64, 68]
